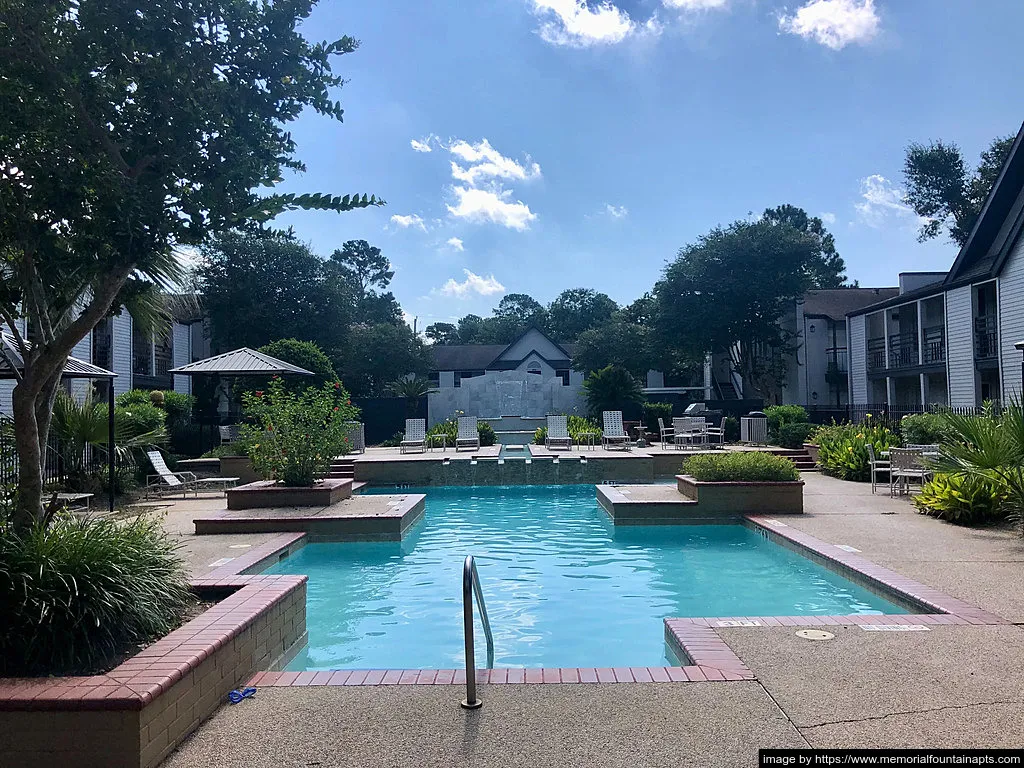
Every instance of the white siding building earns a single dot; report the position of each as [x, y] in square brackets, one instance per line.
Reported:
[948, 339]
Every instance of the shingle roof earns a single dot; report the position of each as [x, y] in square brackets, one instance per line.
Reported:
[240, 362]
[10, 358]
[474, 357]
[836, 303]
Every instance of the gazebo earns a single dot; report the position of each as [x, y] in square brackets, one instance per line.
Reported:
[12, 361]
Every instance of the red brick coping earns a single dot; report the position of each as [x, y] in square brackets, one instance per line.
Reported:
[693, 640]
[138, 712]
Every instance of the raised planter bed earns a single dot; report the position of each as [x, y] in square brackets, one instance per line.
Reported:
[738, 498]
[812, 451]
[136, 714]
[240, 467]
[268, 493]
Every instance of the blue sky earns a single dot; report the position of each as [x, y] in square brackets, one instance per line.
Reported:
[591, 142]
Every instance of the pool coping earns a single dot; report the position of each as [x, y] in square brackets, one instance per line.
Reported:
[694, 639]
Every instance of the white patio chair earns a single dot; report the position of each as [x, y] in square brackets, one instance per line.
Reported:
[665, 433]
[906, 464]
[719, 432]
[415, 436]
[165, 481]
[614, 432]
[469, 435]
[558, 432]
[689, 431]
[877, 466]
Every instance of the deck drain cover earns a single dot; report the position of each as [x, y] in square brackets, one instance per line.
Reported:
[814, 634]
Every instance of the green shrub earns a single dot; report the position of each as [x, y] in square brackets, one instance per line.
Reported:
[780, 415]
[655, 411]
[394, 441]
[577, 426]
[732, 429]
[133, 397]
[76, 594]
[794, 435]
[178, 407]
[922, 428]
[962, 499]
[741, 466]
[611, 389]
[139, 418]
[295, 435]
[842, 448]
[450, 427]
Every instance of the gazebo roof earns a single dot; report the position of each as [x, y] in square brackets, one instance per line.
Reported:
[10, 359]
[240, 362]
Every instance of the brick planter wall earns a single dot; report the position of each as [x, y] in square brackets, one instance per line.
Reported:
[731, 499]
[812, 451]
[267, 493]
[136, 714]
[240, 467]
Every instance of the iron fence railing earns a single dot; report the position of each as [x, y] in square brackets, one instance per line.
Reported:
[876, 354]
[903, 350]
[53, 469]
[985, 338]
[934, 345]
[882, 414]
[836, 361]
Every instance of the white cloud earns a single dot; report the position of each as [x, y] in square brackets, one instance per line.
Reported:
[576, 24]
[491, 205]
[881, 199]
[833, 23]
[484, 286]
[695, 5]
[488, 163]
[412, 220]
[421, 145]
[616, 211]
[828, 217]
[456, 243]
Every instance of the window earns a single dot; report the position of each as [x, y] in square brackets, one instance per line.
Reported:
[102, 336]
[142, 352]
[563, 374]
[534, 367]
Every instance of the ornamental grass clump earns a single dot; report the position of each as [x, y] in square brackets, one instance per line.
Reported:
[741, 467]
[77, 595]
[843, 448]
[295, 435]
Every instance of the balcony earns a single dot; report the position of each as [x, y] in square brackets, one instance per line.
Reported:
[934, 346]
[986, 338]
[903, 350]
[876, 354]
[836, 364]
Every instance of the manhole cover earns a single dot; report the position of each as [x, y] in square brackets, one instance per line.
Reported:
[814, 634]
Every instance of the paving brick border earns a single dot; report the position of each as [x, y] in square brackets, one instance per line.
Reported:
[137, 713]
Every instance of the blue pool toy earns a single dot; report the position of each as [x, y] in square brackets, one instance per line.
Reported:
[237, 695]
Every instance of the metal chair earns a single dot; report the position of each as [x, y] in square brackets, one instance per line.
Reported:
[469, 435]
[415, 436]
[614, 432]
[877, 466]
[558, 432]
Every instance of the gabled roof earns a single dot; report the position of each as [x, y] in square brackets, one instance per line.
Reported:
[11, 359]
[530, 329]
[482, 357]
[998, 226]
[242, 361]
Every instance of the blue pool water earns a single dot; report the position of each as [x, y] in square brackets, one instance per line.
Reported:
[563, 586]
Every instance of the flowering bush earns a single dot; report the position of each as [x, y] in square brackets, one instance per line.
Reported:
[295, 435]
[842, 448]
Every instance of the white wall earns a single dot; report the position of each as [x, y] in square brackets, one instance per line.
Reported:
[960, 347]
[121, 344]
[1011, 321]
[181, 351]
[857, 355]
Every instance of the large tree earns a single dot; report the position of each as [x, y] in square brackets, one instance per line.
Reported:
[442, 333]
[366, 271]
[827, 269]
[618, 342]
[378, 354]
[127, 130]
[944, 191]
[264, 286]
[726, 293]
[576, 310]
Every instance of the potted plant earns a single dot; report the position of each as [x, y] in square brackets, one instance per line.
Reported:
[292, 439]
[742, 482]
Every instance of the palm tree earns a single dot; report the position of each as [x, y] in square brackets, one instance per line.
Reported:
[989, 446]
[611, 389]
[412, 389]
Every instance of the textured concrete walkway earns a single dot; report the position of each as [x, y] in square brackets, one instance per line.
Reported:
[950, 686]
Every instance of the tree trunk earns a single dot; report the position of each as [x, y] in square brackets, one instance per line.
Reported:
[30, 459]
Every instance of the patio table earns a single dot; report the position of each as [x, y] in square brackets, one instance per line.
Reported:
[432, 439]
[588, 438]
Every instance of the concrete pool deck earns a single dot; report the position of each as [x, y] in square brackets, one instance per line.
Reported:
[948, 686]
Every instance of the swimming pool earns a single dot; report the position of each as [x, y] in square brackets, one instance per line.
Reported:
[563, 586]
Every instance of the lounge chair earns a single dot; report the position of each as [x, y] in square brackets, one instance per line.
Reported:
[469, 435]
[877, 467]
[665, 433]
[558, 432]
[415, 436]
[165, 481]
[614, 432]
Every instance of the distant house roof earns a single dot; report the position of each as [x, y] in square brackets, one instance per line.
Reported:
[240, 362]
[11, 359]
[836, 303]
[482, 357]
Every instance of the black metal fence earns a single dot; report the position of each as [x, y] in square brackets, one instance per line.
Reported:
[53, 470]
[883, 414]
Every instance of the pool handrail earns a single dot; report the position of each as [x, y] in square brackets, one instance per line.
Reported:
[471, 587]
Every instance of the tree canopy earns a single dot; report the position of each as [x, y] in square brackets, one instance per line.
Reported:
[827, 269]
[944, 191]
[126, 131]
[577, 310]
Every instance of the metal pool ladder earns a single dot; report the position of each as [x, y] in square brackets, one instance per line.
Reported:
[471, 587]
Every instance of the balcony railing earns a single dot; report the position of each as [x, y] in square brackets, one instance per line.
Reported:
[876, 354]
[836, 361]
[903, 350]
[934, 345]
[985, 338]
